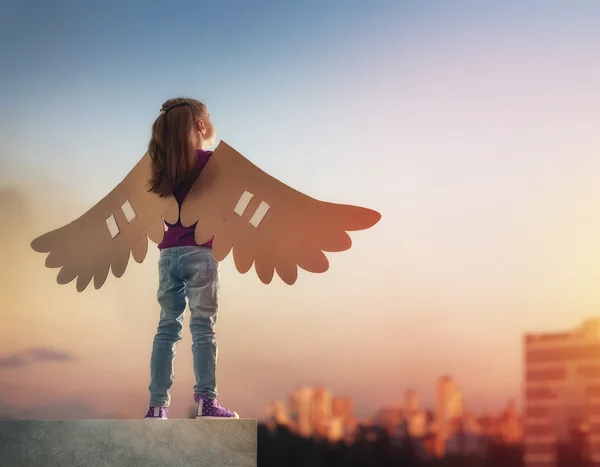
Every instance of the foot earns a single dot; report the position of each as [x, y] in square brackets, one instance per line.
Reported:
[210, 408]
[157, 412]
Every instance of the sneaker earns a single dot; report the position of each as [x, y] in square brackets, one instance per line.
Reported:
[210, 408]
[157, 412]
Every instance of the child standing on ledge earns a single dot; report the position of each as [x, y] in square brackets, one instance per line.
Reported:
[180, 135]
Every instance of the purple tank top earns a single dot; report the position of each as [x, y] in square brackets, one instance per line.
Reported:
[177, 234]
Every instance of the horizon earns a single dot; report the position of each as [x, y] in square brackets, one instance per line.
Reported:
[472, 129]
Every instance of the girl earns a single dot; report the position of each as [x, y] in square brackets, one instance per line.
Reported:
[180, 135]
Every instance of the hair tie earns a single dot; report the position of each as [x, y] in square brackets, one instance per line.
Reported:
[164, 111]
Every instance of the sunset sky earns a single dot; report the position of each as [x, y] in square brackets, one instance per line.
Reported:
[474, 129]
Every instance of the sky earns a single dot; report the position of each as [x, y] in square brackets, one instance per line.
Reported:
[472, 128]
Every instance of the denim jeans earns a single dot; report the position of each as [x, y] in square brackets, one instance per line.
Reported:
[185, 272]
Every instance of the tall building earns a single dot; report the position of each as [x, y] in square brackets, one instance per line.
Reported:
[336, 429]
[448, 406]
[562, 394]
[343, 424]
[311, 411]
[321, 411]
[511, 425]
[416, 424]
[300, 408]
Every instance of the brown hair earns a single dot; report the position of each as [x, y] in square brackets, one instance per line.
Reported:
[171, 150]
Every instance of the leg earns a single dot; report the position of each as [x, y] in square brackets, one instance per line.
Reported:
[171, 297]
[201, 273]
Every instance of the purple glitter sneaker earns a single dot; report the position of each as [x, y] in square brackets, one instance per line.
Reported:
[157, 412]
[210, 408]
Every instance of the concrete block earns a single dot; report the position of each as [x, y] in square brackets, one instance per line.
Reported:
[128, 443]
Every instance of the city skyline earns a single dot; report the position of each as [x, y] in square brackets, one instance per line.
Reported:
[447, 429]
[471, 128]
[559, 423]
[401, 402]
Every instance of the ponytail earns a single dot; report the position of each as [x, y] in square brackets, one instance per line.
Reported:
[171, 149]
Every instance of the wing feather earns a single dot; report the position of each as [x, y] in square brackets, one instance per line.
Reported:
[83, 279]
[54, 259]
[156, 231]
[119, 264]
[352, 218]
[101, 275]
[265, 268]
[66, 274]
[333, 240]
[42, 244]
[287, 271]
[313, 261]
[222, 244]
[140, 249]
[243, 256]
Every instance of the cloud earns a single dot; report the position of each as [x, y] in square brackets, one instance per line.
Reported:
[33, 355]
[15, 206]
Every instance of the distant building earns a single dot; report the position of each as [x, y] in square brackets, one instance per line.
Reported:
[336, 429]
[466, 437]
[321, 412]
[278, 414]
[429, 445]
[504, 428]
[416, 424]
[342, 407]
[316, 413]
[448, 407]
[511, 425]
[390, 419]
[300, 411]
[562, 393]
[343, 424]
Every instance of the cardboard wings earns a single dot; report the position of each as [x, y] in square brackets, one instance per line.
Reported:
[244, 209]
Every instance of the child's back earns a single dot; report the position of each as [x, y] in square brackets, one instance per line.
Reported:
[177, 234]
[186, 270]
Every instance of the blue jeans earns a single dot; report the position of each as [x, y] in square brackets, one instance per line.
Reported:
[185, 272]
